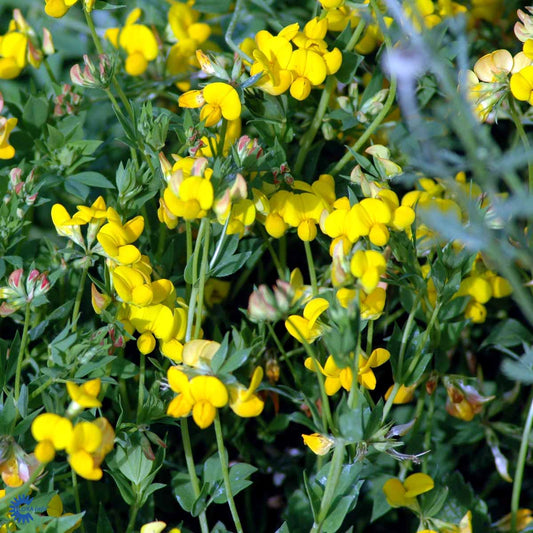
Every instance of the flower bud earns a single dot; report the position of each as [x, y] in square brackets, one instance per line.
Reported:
[14, 278]
[524, 29]
[319, 444]
[48, 43]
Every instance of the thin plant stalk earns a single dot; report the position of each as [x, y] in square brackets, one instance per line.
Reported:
[76, 496]
[22, 350]
[520, 465]
[79, 294]
[311, 267]
[225, 474]
[140, 396]
[334, 473]
[191, 469]
[202, 280]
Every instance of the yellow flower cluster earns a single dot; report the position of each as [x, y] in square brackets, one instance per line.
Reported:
[86, 443]
[201, 393]
[343, 377]
[137, 40]
[298, 69]
[190, 35]
[6, 127]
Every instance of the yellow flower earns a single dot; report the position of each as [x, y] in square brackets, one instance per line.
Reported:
[307, 328]
[309, 70]
[404, 494]
[523, 519]
[137, 40]
[521, 85]
[85, 395]
[217, 100]
[199, 352]
[404, 394]
[272, 56]
[58, 8]
[319, 444]
[116, 238]
[89, 444]
[52, 432]
[203, 395]
[189, 197]
[152, 321]
[13, 47]
[6, 126]
[244, 402]
[368, 266]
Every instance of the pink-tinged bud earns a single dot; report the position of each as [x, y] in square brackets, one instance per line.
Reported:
[34, 274]
[239, 189]
[99, 301]
[20, 213]
[58, 111]
[35, 56]
[223, 204]
[199, 166]
[175, 181]
[242, 145]
[48, 42]
[1, 101]
[14, 278]
[18, 188]
[31, 176]
[166, 167]
[283, 293]
[76, 75]
[284, 168]
[21, 23]
[6, 309]
[15, 176]
[45, 284]
[30, 200]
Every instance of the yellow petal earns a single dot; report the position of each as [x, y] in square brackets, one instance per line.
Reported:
[417, 484]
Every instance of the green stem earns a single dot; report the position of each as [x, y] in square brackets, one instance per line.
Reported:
[229, 33]
[191, 469]
[311, 267]
[79, 294]
[22, 350]
[76, 495]
[428, 430]
[140, 396]
[369, 131]
[94, 35]
[524, 138]
[329, 495]
[273, 253]
[309, 136]
[285, 356]
[369, 336]
[222, 138]
[202, 280]
[134, 509]
[225, 474]
[316, 123]
[194, 276]
[188, 237]
[520, 465]
[327, 419]
[43, 387]
[49, 71]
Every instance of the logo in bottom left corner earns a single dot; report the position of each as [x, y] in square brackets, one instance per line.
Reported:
[20, 509]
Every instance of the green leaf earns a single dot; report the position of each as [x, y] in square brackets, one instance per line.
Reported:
[238, 475]
[350, 64]
[183, 490]
[220, 355]
[212, 6]
[35, 111]
[123, 486]
[103, 525]
[520, 369]
[508, 333]
[92, 179]
[133, 463]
